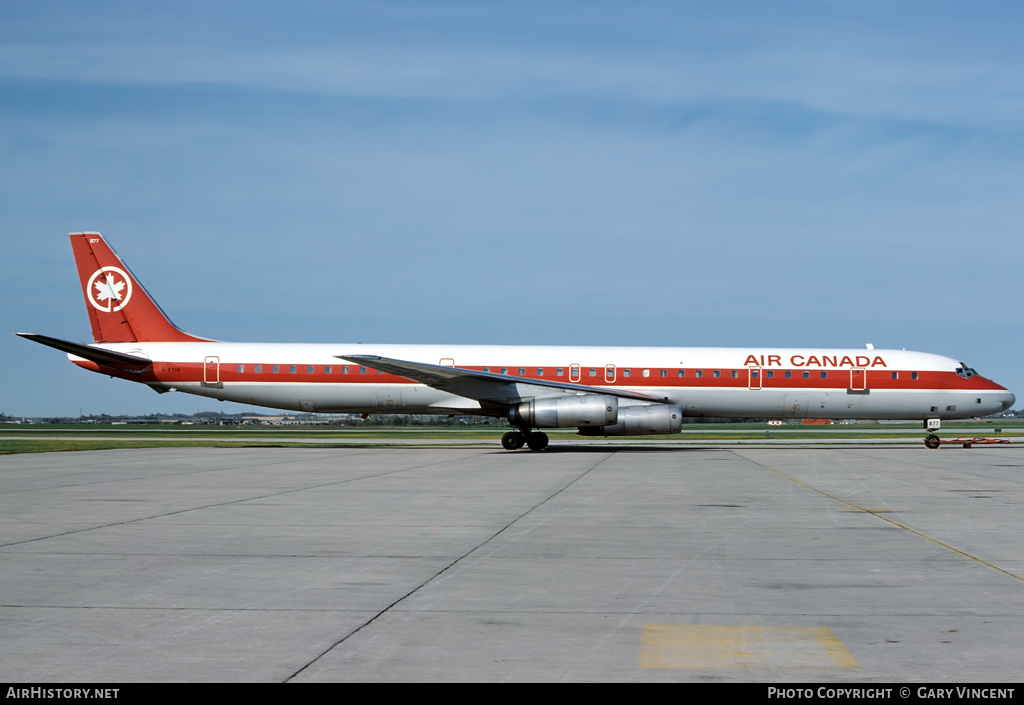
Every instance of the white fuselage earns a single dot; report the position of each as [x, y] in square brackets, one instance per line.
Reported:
[720, 382]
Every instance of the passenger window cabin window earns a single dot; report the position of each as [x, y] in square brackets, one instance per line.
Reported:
[680, 373]
[309, 370]
[895, 375]
[771, 374]
[664, 373]
[789, 374]
[540, 371]
[327, 370]
[807, 374]
[275, 369]
[824, 375]
[241, 369]
[259, 368]
[487, 369]
[699, 373]
[344, 370]
[718, 373]
[362, 370]
[559, 372]
[646, 373]
[522, 371]
[593, 372]
[625, 373]
[913, 375]
[291, 369]
[504, 370]
[736, 373]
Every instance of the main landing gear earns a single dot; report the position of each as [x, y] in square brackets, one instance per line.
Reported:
[534, 440]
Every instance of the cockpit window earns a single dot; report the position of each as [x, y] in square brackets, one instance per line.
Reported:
[965, 371]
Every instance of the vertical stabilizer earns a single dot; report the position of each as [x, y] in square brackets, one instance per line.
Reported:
[120, 309]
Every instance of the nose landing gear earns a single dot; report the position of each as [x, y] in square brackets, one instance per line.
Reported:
[931, 426]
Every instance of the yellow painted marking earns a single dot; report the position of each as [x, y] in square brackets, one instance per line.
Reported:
[714, 647]
[875, 512]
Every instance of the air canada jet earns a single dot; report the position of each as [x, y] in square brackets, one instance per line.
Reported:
[601, 391]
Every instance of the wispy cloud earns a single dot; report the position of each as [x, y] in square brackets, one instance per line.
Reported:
[681, 173]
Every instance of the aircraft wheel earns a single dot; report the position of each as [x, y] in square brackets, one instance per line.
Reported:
[512, 441]
[932, 441]
[537, 440]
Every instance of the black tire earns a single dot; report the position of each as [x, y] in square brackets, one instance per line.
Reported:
[537, 440]
[932, 441]
[512, 441]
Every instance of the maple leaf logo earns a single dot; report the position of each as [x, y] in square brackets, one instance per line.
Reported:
[109, 289]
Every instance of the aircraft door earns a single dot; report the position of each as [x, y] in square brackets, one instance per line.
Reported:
[754, 377]
[609, 373]
[211, 371]
[574, 373]
[858, 380]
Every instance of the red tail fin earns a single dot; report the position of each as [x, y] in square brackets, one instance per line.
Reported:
[120, 309]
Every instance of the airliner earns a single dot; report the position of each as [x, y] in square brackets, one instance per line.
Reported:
[601, 391]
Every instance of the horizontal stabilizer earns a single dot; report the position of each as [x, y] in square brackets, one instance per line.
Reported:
[98, 355]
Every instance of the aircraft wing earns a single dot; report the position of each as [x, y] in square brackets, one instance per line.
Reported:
[98, 355]
[487, 386]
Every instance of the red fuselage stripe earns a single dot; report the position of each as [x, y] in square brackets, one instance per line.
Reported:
[776, 378]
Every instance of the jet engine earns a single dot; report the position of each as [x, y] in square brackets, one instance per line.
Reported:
[640, 420]
[579, 410]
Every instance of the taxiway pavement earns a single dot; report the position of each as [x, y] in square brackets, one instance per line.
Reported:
[587, 563]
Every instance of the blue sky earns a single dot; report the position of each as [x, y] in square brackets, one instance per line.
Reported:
[734, 173]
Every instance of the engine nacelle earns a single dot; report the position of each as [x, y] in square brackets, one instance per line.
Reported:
[640, 420]
[579, 410]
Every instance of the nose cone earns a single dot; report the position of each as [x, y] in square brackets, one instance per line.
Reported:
[1008, 399]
